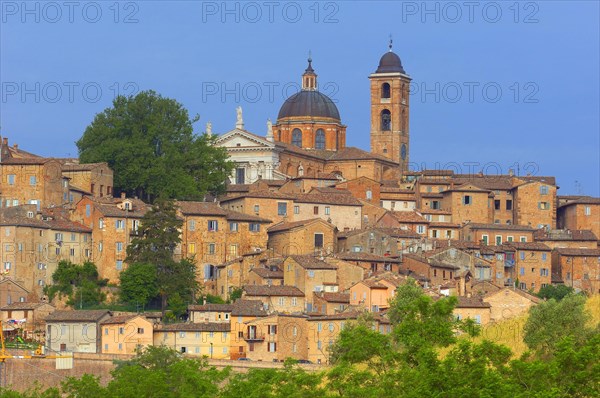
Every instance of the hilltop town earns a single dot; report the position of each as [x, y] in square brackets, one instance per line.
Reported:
[309, 235]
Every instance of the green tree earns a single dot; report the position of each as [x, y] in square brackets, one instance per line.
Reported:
[358, 343]
[557, 292]
[548, 322]
[420, 324]
[79, 282]
[155, 244]
[149, 143]
[138, 283]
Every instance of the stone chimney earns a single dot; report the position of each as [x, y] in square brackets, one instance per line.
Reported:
[16, 147]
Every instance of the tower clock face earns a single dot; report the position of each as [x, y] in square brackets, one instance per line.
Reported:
[403, 152]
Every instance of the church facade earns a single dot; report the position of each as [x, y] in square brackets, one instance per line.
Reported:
[309, 138]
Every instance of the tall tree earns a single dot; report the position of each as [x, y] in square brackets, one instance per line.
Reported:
[155, 245]
[149, 143]
[550, 321]
[80, 283]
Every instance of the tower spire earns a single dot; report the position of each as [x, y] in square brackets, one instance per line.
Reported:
[391, 42]
[309, 78]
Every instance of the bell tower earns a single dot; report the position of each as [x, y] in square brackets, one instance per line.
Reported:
[390, 88]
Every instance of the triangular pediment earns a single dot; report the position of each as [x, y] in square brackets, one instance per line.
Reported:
[238, 138]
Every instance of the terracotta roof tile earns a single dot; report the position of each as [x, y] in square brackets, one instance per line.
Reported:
[283, 226]
[243, 307]
[578, 252]
[210, 307]
[564, 235]
[77, 316]
[196, 327]
[362, 256]
[312, 262]
[266, 273]
[471, 302]
[334, 297]
[274, 290]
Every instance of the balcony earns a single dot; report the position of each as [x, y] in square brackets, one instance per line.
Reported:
[252, 336]
[135, 232]
[509, 263]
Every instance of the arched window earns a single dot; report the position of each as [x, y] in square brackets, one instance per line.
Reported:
[320, 139]
[386, 120]
[403, 121]
[297, 138]
[385, 90]
[403, 152]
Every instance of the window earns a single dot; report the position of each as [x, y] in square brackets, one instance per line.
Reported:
[509, 204]
[369, 194]
[543, 271]
[588, 211]
[467, 200]
[233, 226]
[478, 319]
[523, 239]
[296, 209]
[281, 209]
[32, 180]
[256, 208]
[544, 256]
[192, 225]
[11, 179]
[316, 210]
[192, 248]
[119, 224]
[318, 344]
[543, 190]
[294, 301]
[386, 120]
[7, 265]
[320, 139]
[311, 274]
[522, 255]
[100, 246]
[318, 240]
[498, 240]
[543, 205]
[121, 330]
[233, 250]
[327, 210]
[72, 252]
[509, 239]
[522, 286]
[484, 238]
[497, 204]
[101, 223]
[385, 90]
[297, 138]
[272, 347]
[420, 229]
[240, 175]
[213, 225]
[254, 227]
[119, 246]
[522, 271]
[119, 265]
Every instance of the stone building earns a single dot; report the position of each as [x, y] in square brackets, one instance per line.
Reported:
[580, 213]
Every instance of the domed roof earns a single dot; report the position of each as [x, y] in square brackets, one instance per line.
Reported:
[389, 63]
[309, 103]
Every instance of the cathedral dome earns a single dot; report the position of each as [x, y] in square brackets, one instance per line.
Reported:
[390, 63]
[309, 103]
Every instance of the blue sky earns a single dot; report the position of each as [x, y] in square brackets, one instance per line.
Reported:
[497, 85]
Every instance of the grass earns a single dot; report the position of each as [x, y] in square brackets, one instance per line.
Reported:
[510, 332]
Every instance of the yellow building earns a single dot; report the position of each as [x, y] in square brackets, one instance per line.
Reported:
[199, 339]
[123, 334]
